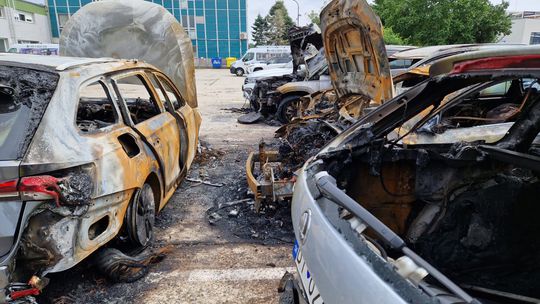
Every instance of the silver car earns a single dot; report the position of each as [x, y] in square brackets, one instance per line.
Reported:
[444, 212]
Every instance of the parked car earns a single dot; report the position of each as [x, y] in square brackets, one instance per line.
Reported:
[257, 55]
[274, 63]
[280, 94]
[441, 212]
[419, 71]
[251, 79]
[403, 60]
[91, 149]
[392, 49]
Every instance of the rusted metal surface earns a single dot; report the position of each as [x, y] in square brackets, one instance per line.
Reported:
[355, 50]
[133, 29]
[98, 165]
[264, 182]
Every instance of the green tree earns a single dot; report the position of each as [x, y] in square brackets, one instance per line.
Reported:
[314, 17]
[391, 37]
[280, 22]
[260, 30]
[435, 22]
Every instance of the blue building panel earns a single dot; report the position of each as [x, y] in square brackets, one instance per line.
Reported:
[217, 27]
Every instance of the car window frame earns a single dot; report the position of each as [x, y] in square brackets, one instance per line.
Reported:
[182, 101]
[119, 116]
[146, 82]
[167, 104]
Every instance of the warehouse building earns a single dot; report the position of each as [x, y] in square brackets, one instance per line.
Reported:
[23, 22]
[218, 28]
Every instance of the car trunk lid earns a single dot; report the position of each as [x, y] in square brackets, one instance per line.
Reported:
[355, 50]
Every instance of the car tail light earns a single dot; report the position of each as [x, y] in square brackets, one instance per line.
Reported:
[32, 188]
[493, 63]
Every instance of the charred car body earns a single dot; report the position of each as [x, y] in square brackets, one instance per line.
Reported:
[89, 148]
[361, 79]
[440, 213]
[279, 95]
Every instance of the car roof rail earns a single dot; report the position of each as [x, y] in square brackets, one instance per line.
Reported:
[81, 62]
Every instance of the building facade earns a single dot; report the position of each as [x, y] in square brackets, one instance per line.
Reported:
[525, 28]
[217, 28]
[23, 22]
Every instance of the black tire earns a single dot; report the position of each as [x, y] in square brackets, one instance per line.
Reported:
[288, 108]
[239, 72]
[140, 217]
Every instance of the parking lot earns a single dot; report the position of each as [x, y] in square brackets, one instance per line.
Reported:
[227, 262]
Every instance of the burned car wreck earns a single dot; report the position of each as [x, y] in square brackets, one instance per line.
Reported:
[91, 149]
[442, 212]
[361, 81]
[279, 95]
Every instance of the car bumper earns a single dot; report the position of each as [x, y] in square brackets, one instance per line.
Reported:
[340, 274]
[232, 69]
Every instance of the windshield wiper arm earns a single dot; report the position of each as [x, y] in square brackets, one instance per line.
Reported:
[328, 187]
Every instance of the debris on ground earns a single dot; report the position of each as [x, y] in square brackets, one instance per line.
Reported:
[130, 267]
[250, 117]
[237, 110]
[272, 225]
[206, 153]
[202, 182]
[301, 140]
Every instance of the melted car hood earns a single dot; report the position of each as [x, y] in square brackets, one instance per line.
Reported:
[355, 50]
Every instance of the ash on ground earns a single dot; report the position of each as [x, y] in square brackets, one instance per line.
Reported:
[272, 225]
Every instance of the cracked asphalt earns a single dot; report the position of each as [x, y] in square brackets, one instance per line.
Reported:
[227, 262]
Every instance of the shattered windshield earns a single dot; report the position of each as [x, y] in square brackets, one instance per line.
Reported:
[24, 95]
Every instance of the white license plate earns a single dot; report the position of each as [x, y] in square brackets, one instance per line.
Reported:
[311, 292]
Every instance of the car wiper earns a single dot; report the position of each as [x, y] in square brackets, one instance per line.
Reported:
[328, 187]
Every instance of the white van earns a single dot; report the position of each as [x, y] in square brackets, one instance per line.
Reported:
[35, 49]
[257, 55]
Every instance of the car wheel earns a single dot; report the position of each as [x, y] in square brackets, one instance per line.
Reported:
[288, 109]
[239, 72]
[140, 216]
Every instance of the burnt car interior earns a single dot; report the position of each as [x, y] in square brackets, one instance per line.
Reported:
[488, 104]
[96, 109]
[468, 208]
[139, 100]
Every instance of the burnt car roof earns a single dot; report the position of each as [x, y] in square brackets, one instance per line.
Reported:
[64, 63]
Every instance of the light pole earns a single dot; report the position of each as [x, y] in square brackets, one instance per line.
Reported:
[297, 12]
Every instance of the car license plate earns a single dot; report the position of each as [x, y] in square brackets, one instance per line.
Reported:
[311, 292]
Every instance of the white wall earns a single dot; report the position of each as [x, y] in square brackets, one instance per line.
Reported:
[39, 30]
[521, 31]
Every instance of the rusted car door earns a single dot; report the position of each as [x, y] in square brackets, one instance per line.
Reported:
[355, 50]
[149, 118]
[191, 118]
